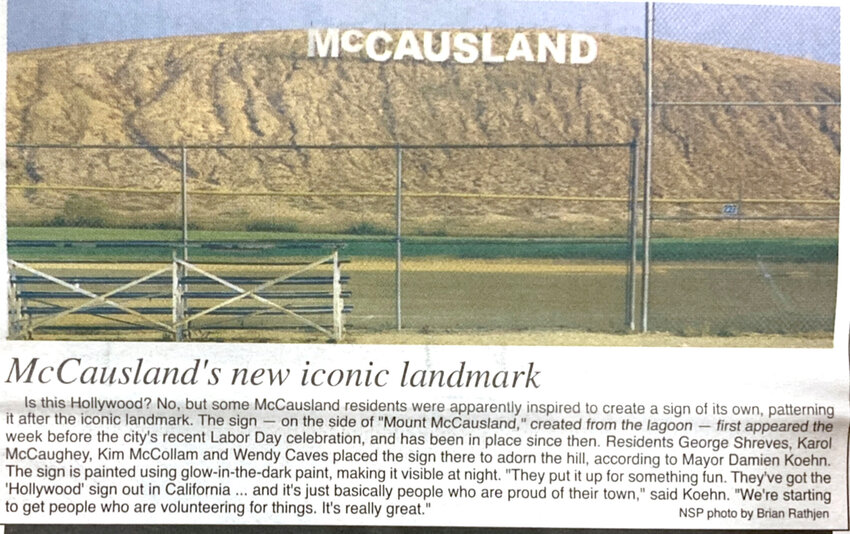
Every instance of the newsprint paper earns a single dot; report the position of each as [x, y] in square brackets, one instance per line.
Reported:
[348, 266]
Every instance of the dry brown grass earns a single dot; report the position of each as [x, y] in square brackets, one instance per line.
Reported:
[570, 338]
[499, 338]
[261, 89]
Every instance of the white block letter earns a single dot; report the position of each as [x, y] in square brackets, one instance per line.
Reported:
[372, 49]
[487, 49]
[348, 42]
[545, 47]
[575, 48]
[466, 50]
[519, 48]
[328, 45]
[408, 46]
[445, 49]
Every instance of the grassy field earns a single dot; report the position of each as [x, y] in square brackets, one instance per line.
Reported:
[492, 287]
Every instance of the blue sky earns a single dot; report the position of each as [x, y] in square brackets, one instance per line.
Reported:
[811, 32]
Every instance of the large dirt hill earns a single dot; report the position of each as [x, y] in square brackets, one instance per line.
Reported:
[261, 89]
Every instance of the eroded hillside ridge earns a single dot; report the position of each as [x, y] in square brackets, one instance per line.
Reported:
[262, 89]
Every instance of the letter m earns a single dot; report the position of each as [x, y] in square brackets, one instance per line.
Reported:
[16, 373]
[323, 46]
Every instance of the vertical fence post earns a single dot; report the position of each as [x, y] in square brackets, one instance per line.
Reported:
[177, 309]
[398, 238]
[15, 308]
[184, 212]
[337, 297]
[631, 280]
[184, 208]
[647, 177]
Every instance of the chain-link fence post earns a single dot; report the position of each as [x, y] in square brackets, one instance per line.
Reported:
[398, 238]
[647, 176]
[184, 203]
[631, 277]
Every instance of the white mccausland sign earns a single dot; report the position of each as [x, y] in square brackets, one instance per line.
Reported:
[462, 47]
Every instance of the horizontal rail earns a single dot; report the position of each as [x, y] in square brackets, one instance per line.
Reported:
[272, 328]
[312, 194]
[163, 310]
[196, 280]
[384, 194]
[446, 146]
[734, 218]
[830, 202]
[187, 294]
[211, 245]
[293, 194]
[707, 103]
[497, 196]
[135, 328]
[93, 189]
[135, 262]
[436, 194]
[270, 295]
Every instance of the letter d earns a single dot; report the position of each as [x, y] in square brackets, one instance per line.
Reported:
[576, 41]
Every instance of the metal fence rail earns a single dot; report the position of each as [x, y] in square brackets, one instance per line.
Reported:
[172, 301]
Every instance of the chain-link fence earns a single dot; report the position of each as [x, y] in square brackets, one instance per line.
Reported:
[444, 237]
[85, 188]
[766, 228]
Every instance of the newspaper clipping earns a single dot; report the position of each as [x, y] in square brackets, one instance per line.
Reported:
[336, 266]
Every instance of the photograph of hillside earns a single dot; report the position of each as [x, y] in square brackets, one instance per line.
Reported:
[491, 193]
[261, 89]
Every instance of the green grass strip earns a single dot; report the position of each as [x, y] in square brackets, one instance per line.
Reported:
[797, 249]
